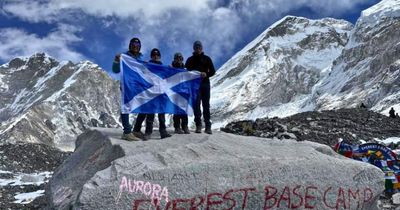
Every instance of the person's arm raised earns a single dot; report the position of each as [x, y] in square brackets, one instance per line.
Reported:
[115, 66]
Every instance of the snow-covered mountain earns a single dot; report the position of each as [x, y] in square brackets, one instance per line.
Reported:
[276, 72]
[368, 70]
[301, 65]
[51, 102]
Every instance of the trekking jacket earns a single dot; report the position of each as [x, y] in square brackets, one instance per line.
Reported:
[202, 63]
[116, 67]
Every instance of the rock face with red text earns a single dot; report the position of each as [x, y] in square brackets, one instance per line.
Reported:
[219, 171]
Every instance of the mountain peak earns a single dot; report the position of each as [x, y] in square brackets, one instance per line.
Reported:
[287, 58]
[382, 10]
[298, 64]
[35, 60]
[46, 101]
[88, 64]
[277, 29]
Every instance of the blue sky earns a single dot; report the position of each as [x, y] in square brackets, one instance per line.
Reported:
[96, 30]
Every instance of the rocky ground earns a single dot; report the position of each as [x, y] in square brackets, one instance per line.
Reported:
[326, 127]
[24, 172]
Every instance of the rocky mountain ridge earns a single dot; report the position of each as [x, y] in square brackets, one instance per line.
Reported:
[278, 68]
[51, 102]
[368, 69]
[335, 66]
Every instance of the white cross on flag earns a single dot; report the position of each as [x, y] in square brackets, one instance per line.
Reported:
[151, 88]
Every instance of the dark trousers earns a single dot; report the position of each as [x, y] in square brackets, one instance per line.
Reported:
[180, 120]
[204, 99]
[149, 122]
[125, 123]
[161, 120]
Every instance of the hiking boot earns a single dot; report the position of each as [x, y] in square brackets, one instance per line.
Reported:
[208, 130]
[198, 129]
[138, 134]
[186, 130]
[129, 137]
[164, 134]
[178, 131]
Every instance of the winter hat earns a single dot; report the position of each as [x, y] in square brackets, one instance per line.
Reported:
[197, 44]
[178, 55]
[155, 51]
[135, 41]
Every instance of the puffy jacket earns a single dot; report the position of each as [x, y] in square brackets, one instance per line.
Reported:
[202, 63]
[116, 66]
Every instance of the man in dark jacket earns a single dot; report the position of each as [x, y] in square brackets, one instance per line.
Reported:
[155, 58]
[392, 113]
[180, 119]
[201, 62]
[134, 52]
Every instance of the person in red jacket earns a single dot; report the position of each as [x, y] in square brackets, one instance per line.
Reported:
[201, 62]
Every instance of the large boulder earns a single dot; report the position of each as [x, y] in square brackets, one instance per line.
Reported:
[219, 171]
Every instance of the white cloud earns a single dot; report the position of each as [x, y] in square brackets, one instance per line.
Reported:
[52, 10]
[31, 11]
[125, 8]
[176, 24]
[15, 42]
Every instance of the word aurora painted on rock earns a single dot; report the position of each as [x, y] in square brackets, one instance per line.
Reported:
[149, 189]
[303, 197]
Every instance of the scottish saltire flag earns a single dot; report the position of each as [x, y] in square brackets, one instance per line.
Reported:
[151, 88]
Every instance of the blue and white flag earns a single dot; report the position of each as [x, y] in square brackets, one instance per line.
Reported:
[151, 88]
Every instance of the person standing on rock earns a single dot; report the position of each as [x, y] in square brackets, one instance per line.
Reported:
[201, 62]
[392, 113]
[155, 58]
[134, 52]
[180, 119]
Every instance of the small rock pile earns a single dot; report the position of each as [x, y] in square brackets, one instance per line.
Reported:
[29, 158]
